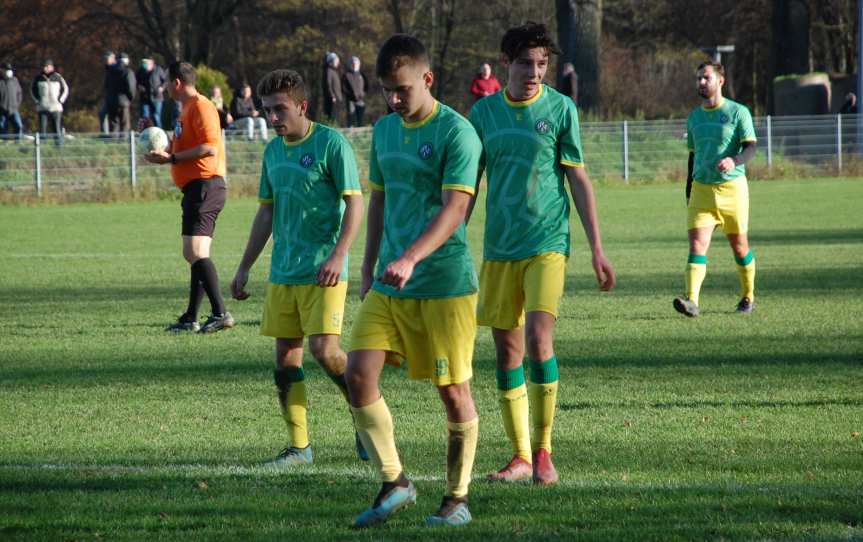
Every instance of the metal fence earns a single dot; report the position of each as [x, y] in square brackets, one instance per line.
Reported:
[638, 151]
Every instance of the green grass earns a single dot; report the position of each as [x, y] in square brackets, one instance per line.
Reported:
[724, 427]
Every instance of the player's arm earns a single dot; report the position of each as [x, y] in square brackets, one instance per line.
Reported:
[331, 270]
[689, 168]
[262, 227]
[585, 204]
[730, 162]
[374, 233]
[441, 228]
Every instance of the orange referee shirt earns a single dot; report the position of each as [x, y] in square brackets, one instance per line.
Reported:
[198, 124]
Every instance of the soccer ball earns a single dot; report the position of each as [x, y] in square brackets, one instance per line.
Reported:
[153, 139]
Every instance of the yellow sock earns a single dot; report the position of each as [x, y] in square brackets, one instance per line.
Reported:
[512, 397]
[291, 386]
[374, 424]
[544, 379]
[746, 271]
[696, 270]
[460, 453]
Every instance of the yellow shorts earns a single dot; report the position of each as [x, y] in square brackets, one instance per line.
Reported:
[292, 311]
[509, 289]
[725, 205]
[434, 336]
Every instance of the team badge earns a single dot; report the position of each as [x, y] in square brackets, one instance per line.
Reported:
[307, 160]
[542, 126]
[723, 118]
[425, 151]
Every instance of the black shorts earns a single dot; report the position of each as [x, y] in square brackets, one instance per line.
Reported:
[203, 200]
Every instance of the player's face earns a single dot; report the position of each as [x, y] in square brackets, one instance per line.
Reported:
[407, 90]
[285, 114]
[708, 82]
[526, 72]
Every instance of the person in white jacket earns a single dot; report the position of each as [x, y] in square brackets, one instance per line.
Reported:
[50, 92]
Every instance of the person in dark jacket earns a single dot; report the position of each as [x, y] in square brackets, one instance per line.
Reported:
[10, 102]
[110, 60]
[151, 90]
[569, 82]
[332, 88]
[850, 105]
[354, 87]
[246, 115]
[50, 91]
[120, 96]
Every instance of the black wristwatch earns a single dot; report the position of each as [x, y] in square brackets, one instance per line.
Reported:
[173, 158]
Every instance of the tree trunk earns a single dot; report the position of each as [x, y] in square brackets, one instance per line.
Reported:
[789, 53]
[579, 27]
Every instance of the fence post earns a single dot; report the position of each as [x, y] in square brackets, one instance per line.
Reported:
[38, 172]
[626, 152]
[839, 142]
[225, 149]
[769, 143]
[133, 166]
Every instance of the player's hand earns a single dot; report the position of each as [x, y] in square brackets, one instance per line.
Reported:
[238, 285]
[366, 285]
[157, 157]
[330, 271]
[604, 272]
[398, 273]
[725, 165]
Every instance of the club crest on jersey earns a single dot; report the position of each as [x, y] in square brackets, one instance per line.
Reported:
[307, 160]
[425, 151]
[542, 126]
[723, 118]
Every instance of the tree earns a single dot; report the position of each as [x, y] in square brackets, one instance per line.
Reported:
[579, 28]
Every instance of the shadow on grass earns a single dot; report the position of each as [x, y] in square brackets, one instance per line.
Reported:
[590, 405]
[320, 507]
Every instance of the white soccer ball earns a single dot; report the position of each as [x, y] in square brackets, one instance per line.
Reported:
[153, 139]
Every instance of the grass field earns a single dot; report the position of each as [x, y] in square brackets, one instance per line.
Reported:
[726, 427]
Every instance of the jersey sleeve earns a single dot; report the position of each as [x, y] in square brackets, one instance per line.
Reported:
[265, 188]
[463, 150]
[570, 137]
[376, 178]
[342, 165]
[745, 126]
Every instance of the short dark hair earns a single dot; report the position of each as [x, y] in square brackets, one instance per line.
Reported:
[287, 81]
[183, 71]
[527, 36]
[718, 68]
[400, 50]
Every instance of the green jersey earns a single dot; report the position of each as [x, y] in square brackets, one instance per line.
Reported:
[413, 163]
[525, 148]
[717, 133]
[305, 181]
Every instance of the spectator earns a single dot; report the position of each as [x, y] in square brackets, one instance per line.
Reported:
[110, 61]
[50, 92]
[246, 115]
[850, 105]
[123, 87]
[569, 82]
[10, 102]
[485, 83]
[332, 88]
[151, 90]
[225, 118]
[354, 87]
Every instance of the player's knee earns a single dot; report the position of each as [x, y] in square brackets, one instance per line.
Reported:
[329, 356]
[539, 343]
[456, 398]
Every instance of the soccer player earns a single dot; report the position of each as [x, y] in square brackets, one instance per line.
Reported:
[420, 302]
[311, 203]
[531, 146]
[721, 141]
[197, 158]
